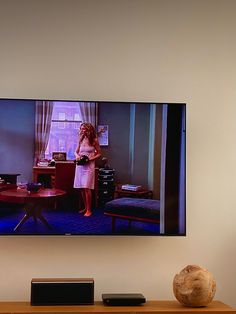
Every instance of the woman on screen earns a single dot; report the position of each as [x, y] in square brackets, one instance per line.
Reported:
[87, 152]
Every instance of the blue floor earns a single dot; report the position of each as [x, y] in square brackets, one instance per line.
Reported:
[69, 222]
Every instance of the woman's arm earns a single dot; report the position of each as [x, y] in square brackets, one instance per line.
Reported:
[97, 150]
[77, 156]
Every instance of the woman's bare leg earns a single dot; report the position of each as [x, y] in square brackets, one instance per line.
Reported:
[88, 197]
[84, 201]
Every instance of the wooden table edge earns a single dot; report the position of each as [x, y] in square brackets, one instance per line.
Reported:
[160, 307]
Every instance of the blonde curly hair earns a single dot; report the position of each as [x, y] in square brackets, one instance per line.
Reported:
[90, 132]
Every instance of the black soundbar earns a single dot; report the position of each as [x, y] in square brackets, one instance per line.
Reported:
[123, 299]
[62, 291]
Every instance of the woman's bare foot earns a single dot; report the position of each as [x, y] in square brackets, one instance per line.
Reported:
[82, 211]
[88, 213]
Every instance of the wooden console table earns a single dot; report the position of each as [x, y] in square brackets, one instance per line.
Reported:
[42, 170]
[66, 183]
[150, 307]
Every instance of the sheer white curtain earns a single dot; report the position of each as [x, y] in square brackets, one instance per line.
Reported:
[89, 112]
[43, 118]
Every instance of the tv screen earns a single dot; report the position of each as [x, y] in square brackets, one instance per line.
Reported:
[92, 168]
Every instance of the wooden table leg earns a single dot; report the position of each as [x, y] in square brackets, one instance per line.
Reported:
[35, 211]
[43, 219]
[23, 220]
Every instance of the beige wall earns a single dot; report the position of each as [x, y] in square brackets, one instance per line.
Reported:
[162, 50]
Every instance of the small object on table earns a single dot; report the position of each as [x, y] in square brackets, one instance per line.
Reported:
[194, 286]
[52, 163]
[131, 187]
[43, 163]
[22, 185]
[33, 187]
[123, 299]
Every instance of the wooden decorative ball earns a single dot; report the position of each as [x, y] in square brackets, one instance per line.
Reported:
[194, 286]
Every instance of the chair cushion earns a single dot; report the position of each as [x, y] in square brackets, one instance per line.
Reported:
[134, 207]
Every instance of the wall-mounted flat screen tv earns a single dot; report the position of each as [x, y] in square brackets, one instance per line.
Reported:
[84, 168]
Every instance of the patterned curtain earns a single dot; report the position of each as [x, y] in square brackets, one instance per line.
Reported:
[89, 112]
[43, 117]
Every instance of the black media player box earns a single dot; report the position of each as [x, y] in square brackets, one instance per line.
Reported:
[123, 299]
[62, 291]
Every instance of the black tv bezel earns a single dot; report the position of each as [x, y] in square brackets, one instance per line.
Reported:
[125, 102]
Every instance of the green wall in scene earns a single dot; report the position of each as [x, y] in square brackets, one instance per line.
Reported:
[129, 142]
[158, 130]
[141, 152]
[117, 117]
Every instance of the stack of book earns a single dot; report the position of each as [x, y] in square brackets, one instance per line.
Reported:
[131, 187]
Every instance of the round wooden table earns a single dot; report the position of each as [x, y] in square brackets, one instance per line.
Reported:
[33, 202]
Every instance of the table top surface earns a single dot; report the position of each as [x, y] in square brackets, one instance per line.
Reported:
[17, 193]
